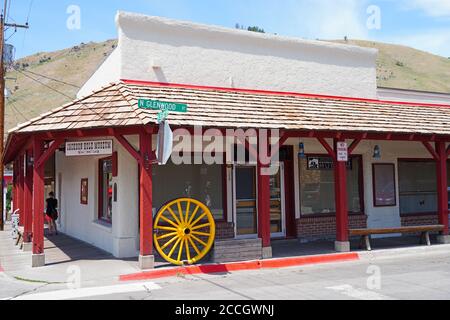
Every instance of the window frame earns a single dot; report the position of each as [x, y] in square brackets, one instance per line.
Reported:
[360, 185]
[100, 190]
[224, 173]
[416, 214]
[374, 193]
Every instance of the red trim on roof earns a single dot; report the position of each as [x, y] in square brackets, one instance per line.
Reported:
[278, 93]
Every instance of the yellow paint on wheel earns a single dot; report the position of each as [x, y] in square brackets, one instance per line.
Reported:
[186, 237]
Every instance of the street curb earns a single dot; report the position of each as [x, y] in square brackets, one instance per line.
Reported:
[241, 266]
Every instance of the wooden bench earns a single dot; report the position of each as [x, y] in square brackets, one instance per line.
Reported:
[423, 230]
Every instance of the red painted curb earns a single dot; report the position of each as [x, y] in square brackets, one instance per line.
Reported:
[240, 266]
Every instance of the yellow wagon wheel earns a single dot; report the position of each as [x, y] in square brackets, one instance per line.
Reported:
[184, 231]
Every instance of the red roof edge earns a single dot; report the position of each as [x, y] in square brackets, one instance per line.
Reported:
[279, 93]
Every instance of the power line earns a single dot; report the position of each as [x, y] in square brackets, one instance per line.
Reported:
[53, 79]
[13, 106]
[63, 94]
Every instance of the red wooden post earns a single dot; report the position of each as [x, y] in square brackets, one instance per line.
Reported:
[146, 258]
[263, 196]
[340, 178]
[264, 209]
[442, 187]
[27, 200]
[38, 258]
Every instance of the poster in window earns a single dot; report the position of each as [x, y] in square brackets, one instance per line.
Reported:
[84, 191]
[384, 185]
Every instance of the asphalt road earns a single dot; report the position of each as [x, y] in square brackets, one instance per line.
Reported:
[416, 276]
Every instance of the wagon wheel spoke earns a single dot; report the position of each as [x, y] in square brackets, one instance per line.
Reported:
[199, 241]
[173, 248]
[188, 207]
[188, 253]
[199, 219]
[168, 235]
[173, 215]
[169, 221]
[180, 252]
[194, 246]
[201, 233]
[169, 243]
[166, 228]
[180, 212]
[193, 215]
[201, 226]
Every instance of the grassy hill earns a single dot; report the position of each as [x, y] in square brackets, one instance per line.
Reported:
[408, 68]
[32, 90]
[398, 67]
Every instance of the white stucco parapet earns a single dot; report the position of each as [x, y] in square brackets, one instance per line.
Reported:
[158, 49]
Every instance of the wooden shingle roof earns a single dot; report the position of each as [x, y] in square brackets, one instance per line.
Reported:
[117, 106]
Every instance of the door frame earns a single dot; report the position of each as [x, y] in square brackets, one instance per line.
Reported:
[283, 233]
[247, 236]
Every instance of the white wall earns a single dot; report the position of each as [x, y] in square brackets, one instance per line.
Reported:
[81, 221]
[163, 50]
[108, 72]
[197, 54]
[413, 96]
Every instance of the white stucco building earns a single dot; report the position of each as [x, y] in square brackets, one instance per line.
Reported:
[316, 94]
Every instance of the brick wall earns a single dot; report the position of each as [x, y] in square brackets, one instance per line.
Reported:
[419, 220]
[224, 230]
[317, 227]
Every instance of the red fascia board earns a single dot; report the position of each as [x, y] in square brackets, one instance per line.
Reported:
[278, 93]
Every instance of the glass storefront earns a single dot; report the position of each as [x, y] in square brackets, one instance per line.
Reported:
[317, 185]
[201, 182]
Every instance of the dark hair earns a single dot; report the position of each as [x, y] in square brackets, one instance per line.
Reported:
[51, 194]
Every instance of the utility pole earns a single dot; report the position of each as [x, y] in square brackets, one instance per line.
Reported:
[2, 105]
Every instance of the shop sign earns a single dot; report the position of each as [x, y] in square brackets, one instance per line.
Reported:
[324, 163]
[89, 148]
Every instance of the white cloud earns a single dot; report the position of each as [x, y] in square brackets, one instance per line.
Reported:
[434, 41]
[329, 19]
[434, 8]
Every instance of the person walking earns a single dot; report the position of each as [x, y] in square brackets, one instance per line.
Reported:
[52, 213]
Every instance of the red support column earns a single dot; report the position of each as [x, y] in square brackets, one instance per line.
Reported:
[442, 188]
[263, 196]
[146, 258]
[15, 188]
[38, 258]
[264, 209]
[340, 178]
[27, 200]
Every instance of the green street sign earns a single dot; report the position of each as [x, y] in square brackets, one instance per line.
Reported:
[162, 116]
[162, 105]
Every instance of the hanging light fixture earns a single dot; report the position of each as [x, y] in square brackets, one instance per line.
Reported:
[301, 153]
[377, 152]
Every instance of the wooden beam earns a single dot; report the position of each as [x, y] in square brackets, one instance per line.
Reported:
[431, 150]
[354, 145]
[126, 144]
[48, 153]
[327, 148]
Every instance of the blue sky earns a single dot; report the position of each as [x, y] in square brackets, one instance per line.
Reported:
[423, 24]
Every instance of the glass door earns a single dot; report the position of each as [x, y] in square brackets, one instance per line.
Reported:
[277, 217]
[246, 217]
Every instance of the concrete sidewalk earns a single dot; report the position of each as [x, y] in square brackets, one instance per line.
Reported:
[64, 257]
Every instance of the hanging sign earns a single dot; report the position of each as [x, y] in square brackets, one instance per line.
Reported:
[342, 151]
[89, 148]
[162, 105]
